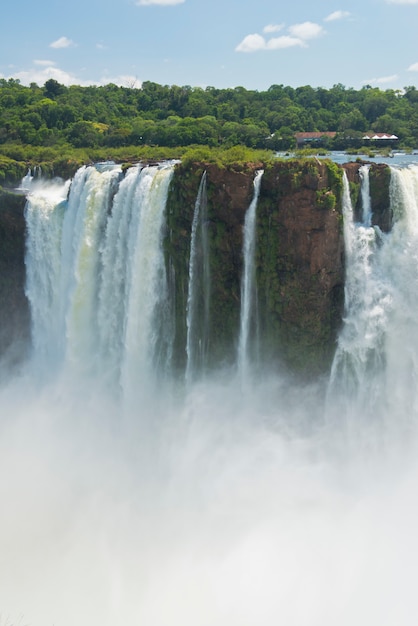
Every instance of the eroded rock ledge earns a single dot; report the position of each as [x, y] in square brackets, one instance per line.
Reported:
[299, 257]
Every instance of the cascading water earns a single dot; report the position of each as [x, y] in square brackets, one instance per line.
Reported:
[98, 289]
[400, 263]
[44, 219]
[198, 297]
[360, 351]
[248, 285]
[147, 330]
[364, 173]
[236, 510]
[377, 349]
[84, 223]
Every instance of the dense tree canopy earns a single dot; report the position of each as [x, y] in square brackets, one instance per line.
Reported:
[162, 115]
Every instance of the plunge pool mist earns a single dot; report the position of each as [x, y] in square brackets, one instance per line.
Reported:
[217, 499]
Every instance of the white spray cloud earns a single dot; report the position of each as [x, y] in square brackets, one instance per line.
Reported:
[413, 67]
[220, 504]
[223, 520]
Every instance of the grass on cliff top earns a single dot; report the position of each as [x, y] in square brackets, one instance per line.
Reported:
[63, 160]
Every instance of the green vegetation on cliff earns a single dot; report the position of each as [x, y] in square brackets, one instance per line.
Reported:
[53, 124]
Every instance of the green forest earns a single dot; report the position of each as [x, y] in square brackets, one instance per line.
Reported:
[55, 123]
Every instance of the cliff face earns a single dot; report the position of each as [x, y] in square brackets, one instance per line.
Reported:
[299, 258]
[229, 194]
[14, 311]
[300, 263]
[379, 178]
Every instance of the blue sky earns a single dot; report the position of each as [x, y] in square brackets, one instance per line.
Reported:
[222, 43]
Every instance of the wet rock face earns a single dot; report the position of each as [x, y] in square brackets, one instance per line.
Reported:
[379, 176]
[300, 264]
[14, 310]
[299, 260]
[229, 194]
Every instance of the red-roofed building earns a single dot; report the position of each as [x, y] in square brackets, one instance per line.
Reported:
[313, 137]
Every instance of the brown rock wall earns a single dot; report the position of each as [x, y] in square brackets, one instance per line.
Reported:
[14, 311]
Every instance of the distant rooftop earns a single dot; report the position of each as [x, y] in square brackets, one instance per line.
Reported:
[314, 135]
[375, 136]
[302, 138]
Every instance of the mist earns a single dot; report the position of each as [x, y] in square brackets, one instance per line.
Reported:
[235, 497]
[215, 506]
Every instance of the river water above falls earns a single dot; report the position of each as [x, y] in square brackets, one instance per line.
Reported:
[137, 492]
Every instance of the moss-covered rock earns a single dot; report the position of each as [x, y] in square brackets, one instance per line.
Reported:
[379, 179]
[229, 193]
[299, 260]
[298, 257]
[14, 311]
[380, 197]
[300, 263]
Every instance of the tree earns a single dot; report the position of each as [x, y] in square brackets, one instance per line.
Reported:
[53, 88]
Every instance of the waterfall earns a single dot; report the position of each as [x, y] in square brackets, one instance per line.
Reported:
[400, 265]
[44, 214]
[248, 286]
[85, 220]
[114, 285]
[360, 351]
[96, 274]
[377, 350]
[196, 503]
[364, 172]
[198, 296]
[26, 182]
[147, 330]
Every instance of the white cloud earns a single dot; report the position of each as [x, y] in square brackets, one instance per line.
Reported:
[252, 43]
[142, 3]
[62, 42]
[44, 62]
[42, 74]
[299, 34]
[306, 30]
[278, 43]
[337, 15]
[273, 28]
[381, 81]
[402, 1]
[413, 67]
